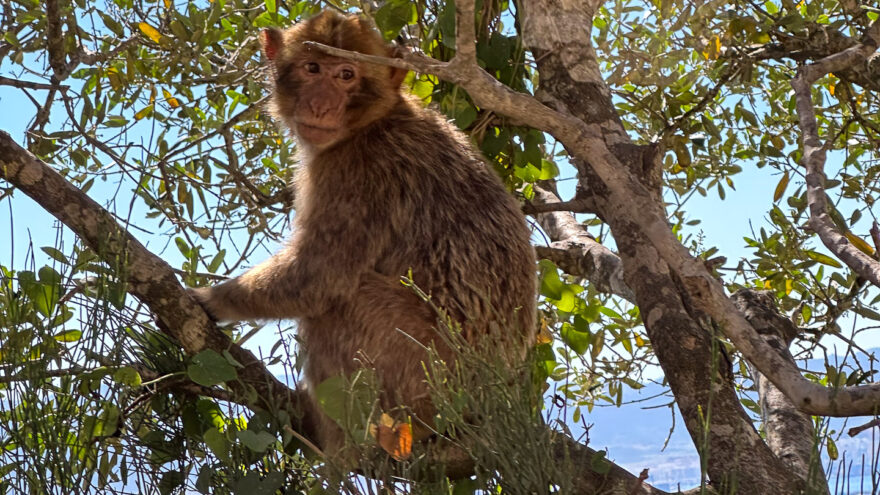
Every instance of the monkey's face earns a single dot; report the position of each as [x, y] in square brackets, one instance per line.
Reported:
[325, 99]
[317, 92]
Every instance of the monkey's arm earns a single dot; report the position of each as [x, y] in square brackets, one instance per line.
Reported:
[264, 291]
[318, 268]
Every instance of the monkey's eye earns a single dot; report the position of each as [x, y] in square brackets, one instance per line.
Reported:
[346, 74]
[313, 68]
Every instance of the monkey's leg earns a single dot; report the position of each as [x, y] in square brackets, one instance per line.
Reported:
[384, 326]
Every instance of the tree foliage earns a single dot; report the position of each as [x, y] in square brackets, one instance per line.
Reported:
[156, 110]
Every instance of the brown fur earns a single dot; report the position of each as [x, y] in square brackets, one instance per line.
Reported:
[401, 190]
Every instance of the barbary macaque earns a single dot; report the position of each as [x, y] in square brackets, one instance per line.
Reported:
[387, 188]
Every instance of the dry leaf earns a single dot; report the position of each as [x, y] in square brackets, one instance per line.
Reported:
[395, 437]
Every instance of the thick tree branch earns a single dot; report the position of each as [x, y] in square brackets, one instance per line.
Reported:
[814, 154]
[821, 42]
[465, 37]
[576, 252]
[577, 205]
[55, 39]
[617, 481]
[17, 83]
[147, 276]
[789, 432]
[855, 430]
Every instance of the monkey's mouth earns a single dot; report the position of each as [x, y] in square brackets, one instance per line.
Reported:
[316, 135]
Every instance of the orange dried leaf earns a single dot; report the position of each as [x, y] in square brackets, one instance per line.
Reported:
[394, 437]
[172, 101]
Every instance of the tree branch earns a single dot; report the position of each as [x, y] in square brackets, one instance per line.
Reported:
[465, 38]
[789, 432]
[814, 154]
[575, 251]
[17, 83]
[148, 277]
[636, 206]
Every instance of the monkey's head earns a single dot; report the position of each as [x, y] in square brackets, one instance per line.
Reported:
[325, 99]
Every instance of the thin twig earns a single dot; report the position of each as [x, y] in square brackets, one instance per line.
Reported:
[18, 83]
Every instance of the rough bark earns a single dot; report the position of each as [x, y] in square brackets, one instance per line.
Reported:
[688, 352]
[814, 153]
[576, 252]
[789, 432]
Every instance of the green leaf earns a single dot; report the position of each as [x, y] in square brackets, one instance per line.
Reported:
[127, 376]
[599, 464]
[549, 170]
[106, 423]
[111, 24]
[209, 368]
[258, 442]
[831, 448]
[545, 360]
[867, 313]
[806, 313]
[214, 265]
[68, 336]
[330, 395]
[551, 285]
[55, 254]
[217, 442]
[182, 246]
[393, 16]
[203, 481]
[576, 340]
[211, 413]
[170, 482]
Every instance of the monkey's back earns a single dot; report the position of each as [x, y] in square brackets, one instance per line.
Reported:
[423, 202]
[454, 224]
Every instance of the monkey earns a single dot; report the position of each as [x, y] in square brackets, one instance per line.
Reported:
[385, 188]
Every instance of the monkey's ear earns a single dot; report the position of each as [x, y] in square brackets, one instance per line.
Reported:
[270, 39]
[397, 74]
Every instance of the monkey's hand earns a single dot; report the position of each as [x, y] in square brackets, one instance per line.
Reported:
[203, 295]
